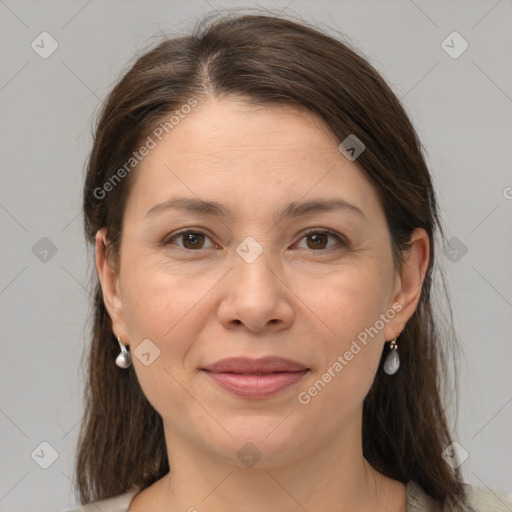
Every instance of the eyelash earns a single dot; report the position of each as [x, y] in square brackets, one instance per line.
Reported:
[342, 240]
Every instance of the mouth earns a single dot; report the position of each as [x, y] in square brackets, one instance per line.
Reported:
[255, 378]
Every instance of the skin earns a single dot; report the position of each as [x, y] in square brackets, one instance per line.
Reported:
[200, 302]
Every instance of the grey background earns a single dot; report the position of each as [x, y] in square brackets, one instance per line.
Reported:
[461, 108]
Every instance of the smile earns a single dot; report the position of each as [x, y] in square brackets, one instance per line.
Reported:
[256, 385]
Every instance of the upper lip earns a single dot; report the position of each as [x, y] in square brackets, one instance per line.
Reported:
[268, 364]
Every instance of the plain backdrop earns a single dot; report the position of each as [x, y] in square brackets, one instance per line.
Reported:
[461, 106]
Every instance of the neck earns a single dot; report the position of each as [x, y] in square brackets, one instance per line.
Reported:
[334, 477]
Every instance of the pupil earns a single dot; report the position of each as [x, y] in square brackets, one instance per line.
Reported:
[192, 238]
[315, 238]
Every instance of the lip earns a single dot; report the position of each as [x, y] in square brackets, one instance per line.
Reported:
[267, 364]
[255, 378]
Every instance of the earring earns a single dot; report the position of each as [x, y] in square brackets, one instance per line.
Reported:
[392, 362]
[124, 359]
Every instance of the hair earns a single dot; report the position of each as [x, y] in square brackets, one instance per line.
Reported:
[268, 60]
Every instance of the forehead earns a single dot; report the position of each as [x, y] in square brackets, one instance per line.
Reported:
[252, 154]
[232, 125]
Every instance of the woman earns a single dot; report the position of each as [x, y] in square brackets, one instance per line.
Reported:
[264, 225]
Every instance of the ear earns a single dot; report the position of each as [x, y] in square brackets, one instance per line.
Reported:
[409, 283]
[109, 281]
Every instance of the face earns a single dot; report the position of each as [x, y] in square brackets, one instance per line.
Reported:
[256, 274]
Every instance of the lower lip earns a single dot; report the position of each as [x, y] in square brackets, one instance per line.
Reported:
[256, 386]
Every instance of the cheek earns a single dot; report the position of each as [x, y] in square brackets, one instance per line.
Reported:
[346, 301]
[347, 307]
[164, 309]
[156, 302]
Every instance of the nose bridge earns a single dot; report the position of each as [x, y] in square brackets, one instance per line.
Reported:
[255, 294]
[255, 265]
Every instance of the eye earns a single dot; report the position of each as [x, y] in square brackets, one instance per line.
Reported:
[192, 240]
[318, 239]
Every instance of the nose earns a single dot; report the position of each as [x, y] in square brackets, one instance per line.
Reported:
[256, 296]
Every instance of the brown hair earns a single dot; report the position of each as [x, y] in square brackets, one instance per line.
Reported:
[268, 60]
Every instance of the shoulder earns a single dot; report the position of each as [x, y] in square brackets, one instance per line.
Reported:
[119, 503]
[481, 499]
[488, 500]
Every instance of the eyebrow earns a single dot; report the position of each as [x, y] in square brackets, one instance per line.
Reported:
[294, 209]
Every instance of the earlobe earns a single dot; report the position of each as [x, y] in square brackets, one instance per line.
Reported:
[109, 281]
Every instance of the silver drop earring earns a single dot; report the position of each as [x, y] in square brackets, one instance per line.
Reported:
[124, 359]
[392, 362]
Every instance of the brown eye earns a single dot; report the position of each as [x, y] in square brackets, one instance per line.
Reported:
[192, 240]
[317, 240]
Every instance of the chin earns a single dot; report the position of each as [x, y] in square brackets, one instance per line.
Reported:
[260, 442]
